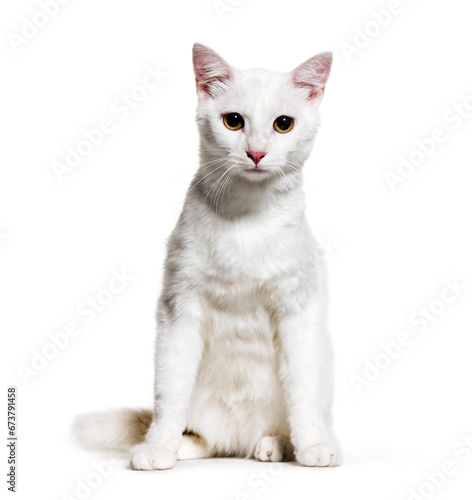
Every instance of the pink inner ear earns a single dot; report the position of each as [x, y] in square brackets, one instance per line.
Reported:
[313, 74]
[209, 68]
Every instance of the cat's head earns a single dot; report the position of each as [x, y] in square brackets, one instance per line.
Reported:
[257, 123]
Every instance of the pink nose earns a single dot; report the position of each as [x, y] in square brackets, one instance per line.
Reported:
[256, 156]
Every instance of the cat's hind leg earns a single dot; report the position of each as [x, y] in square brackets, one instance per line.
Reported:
[273, 449]
[193, 447]
[146, 456]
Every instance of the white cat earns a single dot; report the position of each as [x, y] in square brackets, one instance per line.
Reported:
[243, 356]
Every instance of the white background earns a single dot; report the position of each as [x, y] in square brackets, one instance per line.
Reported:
[390, 252]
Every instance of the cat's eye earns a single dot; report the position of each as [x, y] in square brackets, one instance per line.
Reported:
[283, 124]
[233, 121]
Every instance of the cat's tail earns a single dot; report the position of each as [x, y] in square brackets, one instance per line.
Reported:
[115, 429]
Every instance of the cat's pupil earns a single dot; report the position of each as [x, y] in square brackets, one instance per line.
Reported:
[283, 122]
[233, 119]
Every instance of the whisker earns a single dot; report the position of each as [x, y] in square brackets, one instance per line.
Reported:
[235, 171]
[222, 186]
[211, 161]
[205, 176]
[231, 177]
[215, 184]
[282, 175]
[215, 149]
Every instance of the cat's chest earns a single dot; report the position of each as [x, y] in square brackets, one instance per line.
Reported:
[243, 270]
[245, 254]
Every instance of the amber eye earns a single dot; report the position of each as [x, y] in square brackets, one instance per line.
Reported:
[283, 124]
[233, 121]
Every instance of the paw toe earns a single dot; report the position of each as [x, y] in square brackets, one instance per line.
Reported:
[148, 457]
[269, 449]
[320, 455]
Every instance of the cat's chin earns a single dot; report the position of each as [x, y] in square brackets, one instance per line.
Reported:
[255, 174]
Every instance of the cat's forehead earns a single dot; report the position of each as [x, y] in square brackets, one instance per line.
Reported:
[259, 92]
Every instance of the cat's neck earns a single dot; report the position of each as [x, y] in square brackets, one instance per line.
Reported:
[240, 197]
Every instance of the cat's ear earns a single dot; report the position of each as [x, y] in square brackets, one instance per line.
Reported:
[211, 70]
[312, 75]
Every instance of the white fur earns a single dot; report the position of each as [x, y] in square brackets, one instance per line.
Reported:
[243, 357]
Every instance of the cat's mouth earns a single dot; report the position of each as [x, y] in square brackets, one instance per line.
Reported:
[256, 170]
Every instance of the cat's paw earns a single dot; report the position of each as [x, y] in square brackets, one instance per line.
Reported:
[270, 449]
[146, 456]
[319, 455]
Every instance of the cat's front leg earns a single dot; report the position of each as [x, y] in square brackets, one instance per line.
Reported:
[178, 352]
[306, 374]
